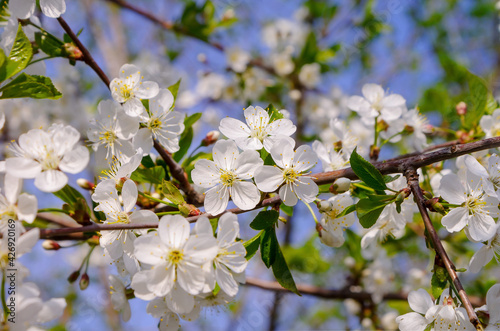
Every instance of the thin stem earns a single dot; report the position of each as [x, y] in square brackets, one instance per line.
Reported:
[41, 59]
[4, 298]
[87, 57]
[412, 178]
[155, 199]
[312, 212]
[375, 129]
[168, 213]
[389, 139]
[53, 210]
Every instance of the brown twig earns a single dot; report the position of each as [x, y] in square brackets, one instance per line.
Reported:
[412, 178]
[87, 57]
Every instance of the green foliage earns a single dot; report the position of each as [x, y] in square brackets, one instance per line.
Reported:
[265, 220]
[269, 246]
[367, 172]
[26, 86]
[19, 57]
[439, 281]
[174, 89]
[69, 195]
[48, 44]
[172, 193]
[274, 114]
[369, 211]
[306, 258]
[153, 175]
[187, 136]
[282, 272]
[252, 245]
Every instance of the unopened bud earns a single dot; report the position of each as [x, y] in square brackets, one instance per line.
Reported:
[202, 57]
[51, 245]
[84, 281]
[382, 125]
[211, 138]
[282, 219]
[340, 185]
[374, 152]
[427, 194]
[461, 108]
[319, 228]
[94, 240]
[323, 205]
[464, 136]
[188, 210]
[72, 51]
[435, 206]
[85, 184]
[74, 276]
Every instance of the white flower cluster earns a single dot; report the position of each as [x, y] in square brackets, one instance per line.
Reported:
[229, 173]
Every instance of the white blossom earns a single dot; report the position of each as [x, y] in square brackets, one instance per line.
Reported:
[23, 9]
[237, 58]
[44, 155]
[491, 124]
[16, 206]
[289, 170]
[226, 177]
[310, 75]
[486, 253]
[333, 226]
[119, 297]
[257, 132]
[129, 89]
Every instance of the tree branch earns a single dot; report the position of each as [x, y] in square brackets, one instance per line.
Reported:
[412, 178]
[87, 57]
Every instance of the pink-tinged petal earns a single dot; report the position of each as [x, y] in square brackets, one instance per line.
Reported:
[205, 173]
[281, 127]
[174, 231]
[249, 143]
[133, 107]
[229, 229]
[481, 227]
[226, 281]
[420, 301]
[256, 118]
[129, 195]
[305, 158]
[143, 140]
[27, 207]
[282, 153]
[179, 301]
[50, 180]
[357, 103]
[246, 164]
[268, 178]
[373, 92]
[22, 9]
[53, 8]
[147, 90]
[393, 100]
[480, 259]
[75, 161]
[288, 195]
[233, 128]
[162, 102]
[150, 249]
[22, 168]
[216, 200]
[306, 190]
[203, 226]
[456, 219]
[412, 322]
[245, 195]
[162, 279]
[270, 141]
[225, 153]
[452, 190]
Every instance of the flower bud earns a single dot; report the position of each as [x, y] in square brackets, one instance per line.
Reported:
[324, 205]
[461, 108]
[85, 184]
[94, 240]
[340, 185]
[435, 206]
[72, 52]
[427, 194]
[382, 125]
[84, 281]
[211, 138]
[74, 276]
[202, 57]
[51, 245]
[282, 219]
[374, 152]
[188, 210]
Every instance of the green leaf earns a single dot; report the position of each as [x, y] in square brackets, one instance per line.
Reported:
[154, 175]
[190, 120]
[274, 114]
[184, 144]
[347, 211]
[269, 246]
[439, 281]
[172, 193]
[367, 172]
[48, 44]
[26, 86]
[252, 245]
[19, 57]
[388, 179]
[382, 198]
[369, 211]
[147, 162]
[69, 195]
[282, 272]
[287, 209]
[174, 89]
[478, 98]
[264, 220]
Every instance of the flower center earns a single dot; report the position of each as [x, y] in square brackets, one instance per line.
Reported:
[126, 91]
[228, 177]
[122, 217]
[474, 204]
[50, 161]
[290, 175]
[175, 257]
[154, 124]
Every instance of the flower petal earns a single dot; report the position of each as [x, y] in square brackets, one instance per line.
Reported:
[174, 231]
[205, 173]
[288, 196]
[245, 195]
[268, 178]
[51, 180]
[216, 199]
